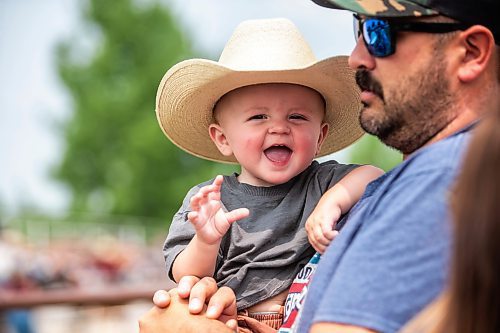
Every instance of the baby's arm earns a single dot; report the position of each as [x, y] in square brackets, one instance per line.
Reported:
[335, 202]
[211, 223]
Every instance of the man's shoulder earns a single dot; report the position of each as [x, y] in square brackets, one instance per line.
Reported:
[446, 153]
[430, 172]
[440, 159]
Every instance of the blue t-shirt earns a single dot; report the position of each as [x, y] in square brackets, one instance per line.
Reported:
[390, 259]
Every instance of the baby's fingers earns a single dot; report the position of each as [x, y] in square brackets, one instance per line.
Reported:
[193, 218]
[316, 245]
[218, 181]
[319, 236]
[327, 230]
[198, 199]
[237, 214]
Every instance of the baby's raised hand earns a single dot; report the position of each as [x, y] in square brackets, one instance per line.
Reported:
[320, 225]
[207, 216]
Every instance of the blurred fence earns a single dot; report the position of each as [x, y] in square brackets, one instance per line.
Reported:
[42, 230]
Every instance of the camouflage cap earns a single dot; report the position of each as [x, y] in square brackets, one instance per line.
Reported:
[482, 12]
[381, 8]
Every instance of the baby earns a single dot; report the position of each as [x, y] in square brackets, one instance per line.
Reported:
[270, 106]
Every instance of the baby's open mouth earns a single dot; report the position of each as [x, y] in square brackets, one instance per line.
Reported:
[278, 153]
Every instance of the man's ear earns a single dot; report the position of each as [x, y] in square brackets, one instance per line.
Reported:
[322, 136]
[219, 138]
[478, 45]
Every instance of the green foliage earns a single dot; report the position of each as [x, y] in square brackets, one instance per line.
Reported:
[116, 159]
[369, 150]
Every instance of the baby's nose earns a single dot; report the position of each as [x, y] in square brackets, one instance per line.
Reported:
[279, 127]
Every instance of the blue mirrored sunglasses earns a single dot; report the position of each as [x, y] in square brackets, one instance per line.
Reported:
[379, 35]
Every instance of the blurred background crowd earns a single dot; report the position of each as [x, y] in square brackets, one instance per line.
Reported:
[76, 263]
[85, 283]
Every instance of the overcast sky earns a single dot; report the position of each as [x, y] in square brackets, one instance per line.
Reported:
[32, 98]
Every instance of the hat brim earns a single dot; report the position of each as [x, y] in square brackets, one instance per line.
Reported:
[189, 90]
[381, 8]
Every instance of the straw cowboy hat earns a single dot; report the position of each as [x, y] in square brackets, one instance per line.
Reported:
[259, 51]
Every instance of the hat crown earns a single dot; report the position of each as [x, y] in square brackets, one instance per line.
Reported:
[268, 44]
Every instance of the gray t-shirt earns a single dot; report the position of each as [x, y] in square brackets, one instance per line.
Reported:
[391, 258]
[261, 254]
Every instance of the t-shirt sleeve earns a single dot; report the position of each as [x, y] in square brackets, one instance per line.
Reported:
[333, 172]
[180, 233]
[395, 263]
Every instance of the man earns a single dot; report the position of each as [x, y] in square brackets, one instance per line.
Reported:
[428, 71]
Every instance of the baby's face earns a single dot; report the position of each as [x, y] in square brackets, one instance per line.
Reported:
[273, 130]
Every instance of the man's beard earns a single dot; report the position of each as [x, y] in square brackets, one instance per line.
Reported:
[414, 113]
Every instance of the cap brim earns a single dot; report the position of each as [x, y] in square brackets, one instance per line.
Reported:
[394, 8]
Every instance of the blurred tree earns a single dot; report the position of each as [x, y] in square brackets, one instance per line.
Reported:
[116, 158]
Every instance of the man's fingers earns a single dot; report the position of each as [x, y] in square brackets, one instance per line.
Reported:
[185, 285]
[222, 305]
[161, 298]
[200, 292]
[232, 324]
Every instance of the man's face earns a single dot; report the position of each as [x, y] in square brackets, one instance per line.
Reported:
[406, 96]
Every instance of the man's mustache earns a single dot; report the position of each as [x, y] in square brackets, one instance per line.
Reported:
[367, 83]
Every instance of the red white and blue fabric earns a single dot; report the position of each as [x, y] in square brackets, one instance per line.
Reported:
[297, 294]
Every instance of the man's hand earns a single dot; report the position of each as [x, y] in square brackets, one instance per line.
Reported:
[208, 218]
[203, 294]
[176, 319]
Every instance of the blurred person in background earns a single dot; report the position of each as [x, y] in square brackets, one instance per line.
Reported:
[13, 252]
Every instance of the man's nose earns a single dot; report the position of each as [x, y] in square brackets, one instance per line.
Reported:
[360, 57]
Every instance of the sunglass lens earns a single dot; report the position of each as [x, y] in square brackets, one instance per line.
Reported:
[377, 36]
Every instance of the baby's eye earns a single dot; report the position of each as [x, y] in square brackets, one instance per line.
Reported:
[298, 116]
[257, 117]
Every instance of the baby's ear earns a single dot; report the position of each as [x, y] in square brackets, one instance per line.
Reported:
[219, 138]
[322, 136]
